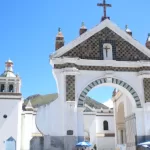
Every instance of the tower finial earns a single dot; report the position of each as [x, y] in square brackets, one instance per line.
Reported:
[59, 29]
[104, 5]
[82, 28]
[59, 39]
[128, 30]
[9, 66]
[82, 24]
[148, 41]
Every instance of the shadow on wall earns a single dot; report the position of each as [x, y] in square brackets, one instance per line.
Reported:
[47, 143]
[37, 143]
[54, 143]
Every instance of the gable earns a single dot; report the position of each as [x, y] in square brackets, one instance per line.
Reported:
[92, 48]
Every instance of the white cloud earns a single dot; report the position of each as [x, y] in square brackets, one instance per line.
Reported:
[109, 103]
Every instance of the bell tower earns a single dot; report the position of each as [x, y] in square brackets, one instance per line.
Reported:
[10, 107]
[9, 81]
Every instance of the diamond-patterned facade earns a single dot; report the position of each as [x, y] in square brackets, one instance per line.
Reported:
[70, 88]
[92, 48]
[146, 82]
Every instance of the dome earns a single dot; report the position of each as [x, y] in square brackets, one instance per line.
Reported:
[9, 61]
[8, 74]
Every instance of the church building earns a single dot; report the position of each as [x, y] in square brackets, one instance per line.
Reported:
[105, 55]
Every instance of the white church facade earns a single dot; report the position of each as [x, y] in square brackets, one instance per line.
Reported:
[102, 56]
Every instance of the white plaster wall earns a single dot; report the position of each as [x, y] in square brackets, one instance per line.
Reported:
[105, 143]
[10, 127]
[80, 122]
[34, 127]
[99, 124]
[57, 117]
[147, 118]
[50, 118]
[92, 130]
[88, 120]
[28, 129]
[140, 123]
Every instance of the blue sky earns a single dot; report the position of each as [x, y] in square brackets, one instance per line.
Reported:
[28, 29]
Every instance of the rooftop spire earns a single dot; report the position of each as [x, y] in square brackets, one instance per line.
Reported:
[82, 28]
[128, 30]
[148, 41]
[59, 33]
[59, 40]
[104, 5]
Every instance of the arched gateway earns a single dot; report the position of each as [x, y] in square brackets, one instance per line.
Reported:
[109, 81]
[104, 55]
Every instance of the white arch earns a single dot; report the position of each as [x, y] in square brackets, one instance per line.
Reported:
[113, 82]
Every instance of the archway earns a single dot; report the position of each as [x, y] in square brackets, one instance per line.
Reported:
[124, 114]
[111, 81]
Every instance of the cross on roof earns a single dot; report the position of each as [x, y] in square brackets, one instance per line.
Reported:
[104, 5]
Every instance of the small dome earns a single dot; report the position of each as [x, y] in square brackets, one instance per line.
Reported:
[9, 61]
[8, 74]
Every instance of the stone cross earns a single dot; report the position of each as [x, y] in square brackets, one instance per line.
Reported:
[104, 5]
[106, 48]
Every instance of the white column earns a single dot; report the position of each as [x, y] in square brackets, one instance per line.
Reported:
[140, 123]
[115, 124]
[80, 122]
[124, 136]
[6, 86]
[15, 87]
[119, 137]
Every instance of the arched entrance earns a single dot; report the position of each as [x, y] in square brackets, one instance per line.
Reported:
[111, 81]
[124, 116]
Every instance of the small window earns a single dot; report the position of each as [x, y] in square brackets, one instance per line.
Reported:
[11, 88]
[2, 87]
[105, 125]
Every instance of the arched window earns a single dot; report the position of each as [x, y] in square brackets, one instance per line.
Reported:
[2, 87]
[11, 88]
[10, 144]
[105, 125]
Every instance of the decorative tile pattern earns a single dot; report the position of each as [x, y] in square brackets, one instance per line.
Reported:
[101, 68]
[92, 48]
[83, 94]
[70, 88]
[146, 83]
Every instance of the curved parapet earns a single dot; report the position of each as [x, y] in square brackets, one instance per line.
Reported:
[49, 118]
